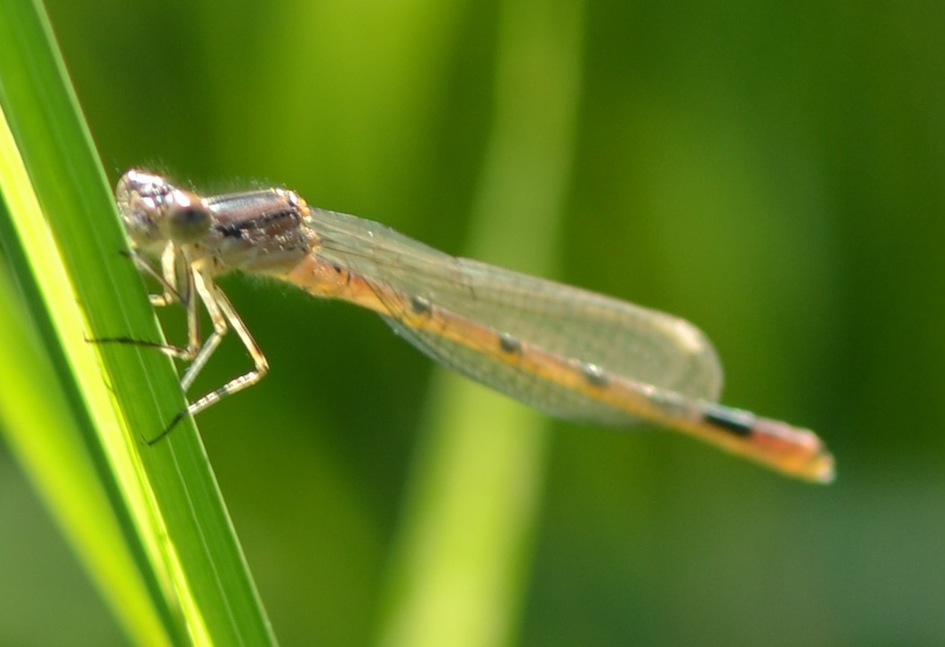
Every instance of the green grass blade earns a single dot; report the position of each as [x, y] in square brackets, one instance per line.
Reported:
[61, 235]
[40, 428]
[465, 549]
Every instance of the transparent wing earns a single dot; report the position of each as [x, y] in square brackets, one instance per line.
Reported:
[501, 307]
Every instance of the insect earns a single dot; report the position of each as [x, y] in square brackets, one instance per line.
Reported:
[569, 352]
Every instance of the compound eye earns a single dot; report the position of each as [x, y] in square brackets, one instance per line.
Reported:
[188, 220]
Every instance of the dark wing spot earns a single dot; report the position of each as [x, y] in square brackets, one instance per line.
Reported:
[594, 375]
[509, 344]
[420, 305]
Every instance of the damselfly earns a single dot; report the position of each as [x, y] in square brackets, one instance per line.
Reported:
[571, 353]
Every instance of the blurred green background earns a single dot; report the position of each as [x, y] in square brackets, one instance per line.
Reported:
[771, 172]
